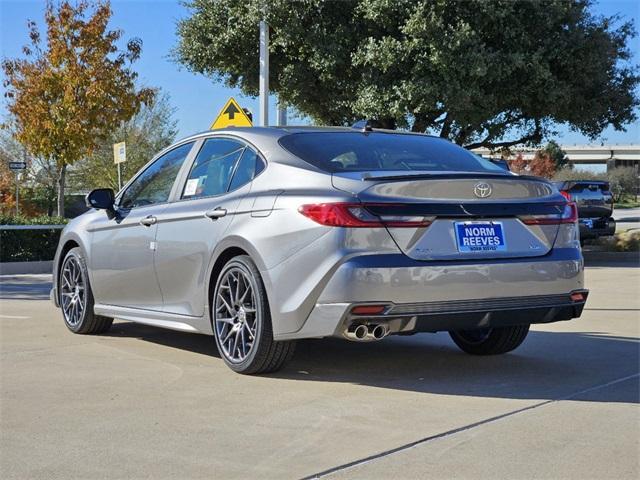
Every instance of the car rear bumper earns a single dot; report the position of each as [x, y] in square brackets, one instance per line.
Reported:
[472, 314]
[433, 296]
[601, 227]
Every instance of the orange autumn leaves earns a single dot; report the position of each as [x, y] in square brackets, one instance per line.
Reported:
[74, 86]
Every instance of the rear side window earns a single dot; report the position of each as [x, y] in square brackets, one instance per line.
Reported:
[213, 168]
[248, 167]
[355, 151]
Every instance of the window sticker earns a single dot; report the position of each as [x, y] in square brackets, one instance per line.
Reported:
[191, 187]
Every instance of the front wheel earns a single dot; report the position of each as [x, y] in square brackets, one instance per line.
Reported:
[76, 296]
[490, 341]
[242, 321]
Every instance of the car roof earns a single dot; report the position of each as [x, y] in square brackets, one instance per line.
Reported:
[281, 131]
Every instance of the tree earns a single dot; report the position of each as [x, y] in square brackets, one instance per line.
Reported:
[558, 155]
[479, 72]
[541, 165]
[65, 95]
[623, 182]
[148, 132]
[7, 188]
[566, 173]
[38, 183]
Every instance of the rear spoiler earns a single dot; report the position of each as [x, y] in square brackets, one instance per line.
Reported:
[449, 175]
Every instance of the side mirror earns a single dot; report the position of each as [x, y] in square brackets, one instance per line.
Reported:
[100, 198]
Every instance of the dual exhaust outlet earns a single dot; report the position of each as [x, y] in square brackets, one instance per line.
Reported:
[366, 333]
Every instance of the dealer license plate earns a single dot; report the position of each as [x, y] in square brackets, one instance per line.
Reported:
[480, 237]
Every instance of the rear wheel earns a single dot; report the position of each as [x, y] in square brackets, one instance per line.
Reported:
[490, 341]
[76, 297]
[242, 321]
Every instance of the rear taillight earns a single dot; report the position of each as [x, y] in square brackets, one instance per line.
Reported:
[356, 215]
[566, 195]
[569, 215]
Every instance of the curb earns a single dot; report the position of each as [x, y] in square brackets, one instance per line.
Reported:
[629, 258]
[20, 268]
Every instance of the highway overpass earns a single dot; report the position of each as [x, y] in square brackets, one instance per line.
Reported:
[610, 155]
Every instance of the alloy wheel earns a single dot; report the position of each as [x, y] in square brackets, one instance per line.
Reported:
[236, 314]
[72, 291]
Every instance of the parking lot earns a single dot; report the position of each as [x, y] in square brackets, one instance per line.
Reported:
[141, 402]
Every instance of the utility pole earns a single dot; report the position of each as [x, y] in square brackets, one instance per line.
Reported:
[282, 114]
[264, 74]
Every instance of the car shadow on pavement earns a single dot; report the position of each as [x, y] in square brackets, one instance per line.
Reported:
[548, 366]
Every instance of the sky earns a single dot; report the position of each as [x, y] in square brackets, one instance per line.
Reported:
[198, 99]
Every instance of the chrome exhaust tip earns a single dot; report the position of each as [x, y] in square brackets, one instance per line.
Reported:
[360, 332]
[357, 332]
[377, 332]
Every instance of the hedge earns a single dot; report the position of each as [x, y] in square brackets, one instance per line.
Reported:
[29, 245]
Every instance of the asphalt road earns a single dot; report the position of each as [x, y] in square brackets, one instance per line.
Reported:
[141, 402]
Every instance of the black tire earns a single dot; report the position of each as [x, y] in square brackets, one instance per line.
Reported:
[490, 341]
[265, 355]
[86, 322]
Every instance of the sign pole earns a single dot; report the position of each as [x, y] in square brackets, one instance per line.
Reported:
[264, 74]
[17, 193]
[119, 156]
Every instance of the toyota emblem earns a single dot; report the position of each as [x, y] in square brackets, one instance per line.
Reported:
[482, 190]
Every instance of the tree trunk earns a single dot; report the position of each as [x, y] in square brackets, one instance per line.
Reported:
[61, 180]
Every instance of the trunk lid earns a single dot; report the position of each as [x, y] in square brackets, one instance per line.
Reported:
[593, 198]
[486, 209]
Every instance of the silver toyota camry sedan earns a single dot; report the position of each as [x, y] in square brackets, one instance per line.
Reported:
[263, 236]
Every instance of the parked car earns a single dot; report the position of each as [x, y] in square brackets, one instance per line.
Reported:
[595, 206]
[263, 236]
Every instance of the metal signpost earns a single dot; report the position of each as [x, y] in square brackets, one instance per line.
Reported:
[17, 167]
[264, 74]
[119, 156]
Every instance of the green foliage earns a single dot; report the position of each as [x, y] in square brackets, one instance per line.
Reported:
[29, 245]
[479, 72]
[559, 157]
[578, 174]
[149, 131]
[623, 182]
[40, 220]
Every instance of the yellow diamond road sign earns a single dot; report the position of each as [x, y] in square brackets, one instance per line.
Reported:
[231, 115]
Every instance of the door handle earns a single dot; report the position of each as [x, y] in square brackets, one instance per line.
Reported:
[148, 221]
[215, 213]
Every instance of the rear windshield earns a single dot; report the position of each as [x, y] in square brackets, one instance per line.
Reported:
[355, 151]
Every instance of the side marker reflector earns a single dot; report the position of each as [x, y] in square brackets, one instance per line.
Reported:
[368, 309]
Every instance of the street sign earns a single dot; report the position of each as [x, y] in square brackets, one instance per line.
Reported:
[119, 152]
[17, 165]
[231, 115]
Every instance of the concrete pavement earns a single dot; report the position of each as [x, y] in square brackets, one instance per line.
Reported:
[626, 219]
[141, 402]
